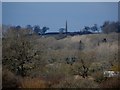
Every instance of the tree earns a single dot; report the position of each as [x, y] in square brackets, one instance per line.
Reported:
[37, 29]
[105, 24]
[18, 27]
[61, 33]
[86, 28]
[18, 51]
[43, 30]
[95, 28]
[118, 26]
[61, 30]
[109, 27]
[29, 28]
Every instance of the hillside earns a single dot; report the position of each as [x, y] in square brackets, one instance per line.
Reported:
[73, 61]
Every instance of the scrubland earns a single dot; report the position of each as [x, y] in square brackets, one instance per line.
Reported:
[72, 62]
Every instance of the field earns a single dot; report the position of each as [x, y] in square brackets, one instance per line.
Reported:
[72, 62]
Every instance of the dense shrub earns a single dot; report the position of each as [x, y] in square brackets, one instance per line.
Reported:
[99, 77]
[9, 80]
[18, 51]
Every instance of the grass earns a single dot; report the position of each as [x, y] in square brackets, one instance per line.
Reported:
[9, 80]
[28, 82]
[71, 82]
[111, 83]
[50, 63]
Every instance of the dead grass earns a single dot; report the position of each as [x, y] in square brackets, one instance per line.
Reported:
[111, 83]
[0, 76]
[9, 80]
[28, 82]
[96, 57]
[71, 82]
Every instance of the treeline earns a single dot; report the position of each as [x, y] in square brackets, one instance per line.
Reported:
[107, 27]
[33, 29]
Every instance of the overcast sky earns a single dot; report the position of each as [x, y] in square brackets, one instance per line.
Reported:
[54, 14]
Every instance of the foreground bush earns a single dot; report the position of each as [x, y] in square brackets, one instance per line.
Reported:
[9, 80]
[18, 51]
[99, 77]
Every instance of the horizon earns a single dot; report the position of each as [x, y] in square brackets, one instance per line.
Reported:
[54, 14]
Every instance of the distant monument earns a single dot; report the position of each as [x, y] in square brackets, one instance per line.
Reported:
[66, 28]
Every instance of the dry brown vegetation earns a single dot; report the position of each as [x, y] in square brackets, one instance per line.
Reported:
[32, 83]
[45, 62]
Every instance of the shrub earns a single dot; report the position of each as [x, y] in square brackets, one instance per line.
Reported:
[9, 80]
[18, 51]
[115, 67]
[98, 77]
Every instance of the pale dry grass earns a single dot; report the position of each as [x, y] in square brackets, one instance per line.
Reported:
[95, 57]
[106, 51]
[71, 82]
[9, 79]
[32, 83]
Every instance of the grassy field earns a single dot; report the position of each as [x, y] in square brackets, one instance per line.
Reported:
[72, 62]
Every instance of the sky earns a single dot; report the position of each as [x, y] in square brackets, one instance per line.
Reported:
[55, 14]
[60, 0]
[0, 13]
